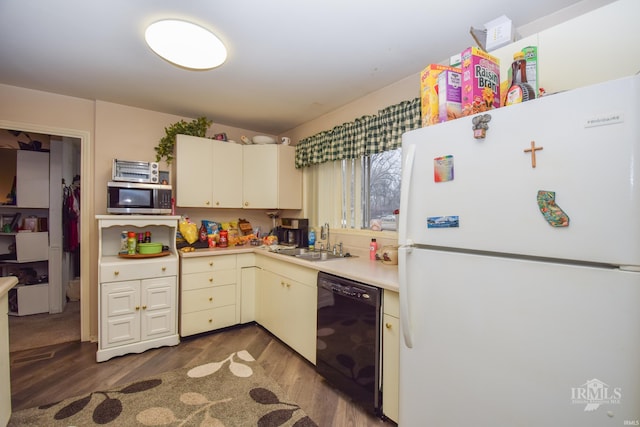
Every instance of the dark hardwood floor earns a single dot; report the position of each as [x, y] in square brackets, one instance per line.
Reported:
[48, 374]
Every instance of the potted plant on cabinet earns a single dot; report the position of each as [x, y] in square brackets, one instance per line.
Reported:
[197, 127]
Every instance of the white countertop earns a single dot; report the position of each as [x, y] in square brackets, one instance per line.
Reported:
[7, 283]
[355, 268]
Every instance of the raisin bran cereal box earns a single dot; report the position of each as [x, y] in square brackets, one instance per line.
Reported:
[450, 95]
[480, 81]
[429, 93]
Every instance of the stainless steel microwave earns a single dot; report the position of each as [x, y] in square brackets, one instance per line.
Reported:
[138, 198]
[135, 171]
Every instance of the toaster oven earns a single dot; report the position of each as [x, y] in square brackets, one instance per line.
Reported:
[135, 171]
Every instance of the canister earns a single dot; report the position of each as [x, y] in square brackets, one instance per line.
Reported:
[224, 239]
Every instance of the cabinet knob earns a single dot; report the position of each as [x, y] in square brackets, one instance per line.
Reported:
[210, 320]
[246, 203]
[207, 203]
[210, 299]
[210, 263]
[388, 325]
[210, 279]
[164, 269]
[144, 307]
[217, 203]
[115, 273]
[137, 307]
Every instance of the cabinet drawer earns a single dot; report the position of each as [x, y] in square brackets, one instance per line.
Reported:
[202, 299]
[207, 320]
[391, 303]
[210, 263]
[208, 279]
[136, 269]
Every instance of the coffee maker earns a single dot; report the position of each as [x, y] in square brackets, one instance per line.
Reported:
[294, 232]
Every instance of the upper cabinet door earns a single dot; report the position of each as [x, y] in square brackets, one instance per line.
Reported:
[194, 174]
[32, 179]
[260, 178]
[289, 180]
[227, 175]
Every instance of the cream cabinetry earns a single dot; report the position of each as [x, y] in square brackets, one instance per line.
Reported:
[208, 173]
[287, 298]
[218, 174]
[270, 179]
[247, 271]
[209, 297]
[137, 307]
[390, 354]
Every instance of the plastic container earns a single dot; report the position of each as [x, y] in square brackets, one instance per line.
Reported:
[520, 90]
[131, 243]
[373, 249]
[312, 239]
[149, 248]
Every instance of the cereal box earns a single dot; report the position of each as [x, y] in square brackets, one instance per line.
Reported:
[450, 94]
[480, 81]
[429, 93]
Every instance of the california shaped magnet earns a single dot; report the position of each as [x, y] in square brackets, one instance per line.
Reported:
[550, 210]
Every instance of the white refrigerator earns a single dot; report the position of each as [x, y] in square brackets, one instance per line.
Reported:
[519, 265]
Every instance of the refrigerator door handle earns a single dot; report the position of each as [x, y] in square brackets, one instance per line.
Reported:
[407, 171]
[405, 310]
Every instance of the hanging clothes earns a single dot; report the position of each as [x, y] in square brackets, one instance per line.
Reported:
[71, 216]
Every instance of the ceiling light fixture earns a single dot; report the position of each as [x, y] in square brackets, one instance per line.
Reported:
[185, 44]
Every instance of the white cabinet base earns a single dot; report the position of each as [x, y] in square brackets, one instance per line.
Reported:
[138, 347]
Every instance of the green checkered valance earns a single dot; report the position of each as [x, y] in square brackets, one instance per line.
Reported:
[362, 137]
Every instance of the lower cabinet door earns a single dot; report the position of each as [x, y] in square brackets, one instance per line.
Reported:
[120, 306]
[158, 309]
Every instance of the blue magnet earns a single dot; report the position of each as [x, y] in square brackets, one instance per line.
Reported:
[443, 221]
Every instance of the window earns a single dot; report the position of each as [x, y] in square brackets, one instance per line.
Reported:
[370, 191]
[382, 173]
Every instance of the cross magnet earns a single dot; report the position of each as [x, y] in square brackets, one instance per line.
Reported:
[533, 150]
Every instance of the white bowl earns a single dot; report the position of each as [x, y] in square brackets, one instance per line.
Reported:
[263, 139]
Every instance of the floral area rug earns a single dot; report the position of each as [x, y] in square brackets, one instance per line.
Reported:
[230, 392]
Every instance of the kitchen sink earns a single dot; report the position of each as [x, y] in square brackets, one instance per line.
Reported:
[308, 255]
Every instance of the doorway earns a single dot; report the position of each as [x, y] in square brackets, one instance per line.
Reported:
[69, 319]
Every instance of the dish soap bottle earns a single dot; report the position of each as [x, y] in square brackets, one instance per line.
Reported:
[312, 239]
[520, 90]
[373, 249]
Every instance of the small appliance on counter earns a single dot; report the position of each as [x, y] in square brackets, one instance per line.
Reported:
[138, 198]
[135, 171]
[293, 232]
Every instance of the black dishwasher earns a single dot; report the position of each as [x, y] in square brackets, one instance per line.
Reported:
[348, 339]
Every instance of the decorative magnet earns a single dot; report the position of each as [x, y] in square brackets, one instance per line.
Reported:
[550, 210]
[480, 125]
[451, 221]
[443, 169]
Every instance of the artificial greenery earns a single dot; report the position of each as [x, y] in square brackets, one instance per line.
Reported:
[197, 127]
